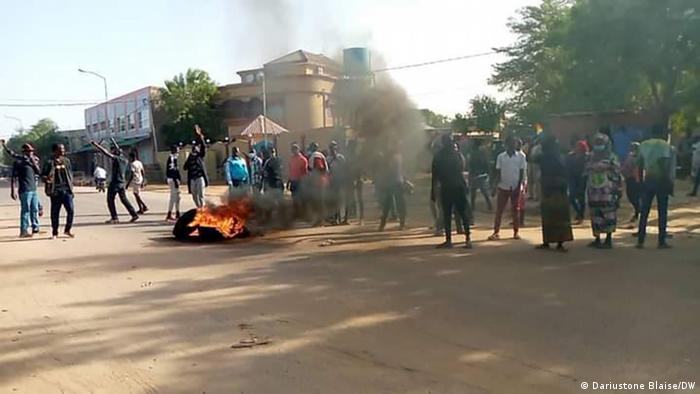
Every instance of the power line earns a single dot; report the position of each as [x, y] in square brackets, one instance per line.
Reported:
[428, 63]
[47, 105]
[68, 103]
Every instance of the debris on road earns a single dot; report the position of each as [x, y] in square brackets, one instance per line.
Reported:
[250, 342]
[327, 242]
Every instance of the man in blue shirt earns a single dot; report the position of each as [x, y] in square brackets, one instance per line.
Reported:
[236, 170]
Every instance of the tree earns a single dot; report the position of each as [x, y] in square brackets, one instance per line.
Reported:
[646, 51]
[596, 55]
[461, 123]
[42, 135]
[487, 113]
[435, 120]
[536, 61]
[188, 100]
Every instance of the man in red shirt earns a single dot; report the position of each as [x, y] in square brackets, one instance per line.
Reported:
[298, 168]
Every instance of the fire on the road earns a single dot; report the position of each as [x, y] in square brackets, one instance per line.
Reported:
[229, 219]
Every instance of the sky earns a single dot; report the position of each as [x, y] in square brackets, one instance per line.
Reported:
[141, 43]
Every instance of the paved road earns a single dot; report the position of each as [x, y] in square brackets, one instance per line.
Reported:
[124, 309]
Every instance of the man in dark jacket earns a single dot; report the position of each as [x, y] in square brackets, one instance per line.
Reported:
[197, 179]
[25, 170]
[272, 175]
[448, 175]
[117, 183]
[58, 176]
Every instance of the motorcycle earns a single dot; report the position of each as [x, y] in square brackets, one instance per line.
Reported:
[101, 184]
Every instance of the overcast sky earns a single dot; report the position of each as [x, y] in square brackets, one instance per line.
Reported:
[139, 43]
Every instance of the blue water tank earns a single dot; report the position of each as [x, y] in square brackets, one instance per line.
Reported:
[357, 61]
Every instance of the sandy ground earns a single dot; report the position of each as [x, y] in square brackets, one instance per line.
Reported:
[124, 309]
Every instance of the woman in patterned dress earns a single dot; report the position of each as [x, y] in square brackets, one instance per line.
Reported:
[604, 189]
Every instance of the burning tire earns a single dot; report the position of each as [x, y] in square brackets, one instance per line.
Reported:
[185, 228]
[182, 229]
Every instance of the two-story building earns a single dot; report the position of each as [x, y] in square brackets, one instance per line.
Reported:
[298, 90]
[130, 119]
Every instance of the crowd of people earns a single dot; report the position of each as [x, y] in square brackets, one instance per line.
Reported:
[326, 186]
[588, 177]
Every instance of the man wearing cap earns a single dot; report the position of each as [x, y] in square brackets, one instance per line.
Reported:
[25, 171]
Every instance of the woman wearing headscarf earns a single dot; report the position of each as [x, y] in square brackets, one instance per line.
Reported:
[604, 187]
[556, 222]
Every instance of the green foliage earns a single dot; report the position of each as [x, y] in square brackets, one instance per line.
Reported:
[41, 135]
[461, 123]
[536, 61]
[435, 120]
[593, 55]
[188, 100]
[487, 113]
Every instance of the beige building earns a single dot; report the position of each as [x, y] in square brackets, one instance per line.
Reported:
[298, 89]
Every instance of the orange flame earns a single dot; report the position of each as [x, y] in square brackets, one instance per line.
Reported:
[229, 219]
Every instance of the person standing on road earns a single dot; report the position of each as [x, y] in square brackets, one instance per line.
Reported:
[100, 175]
[272, 175]
[522, 199]
[298, 169]
[172, 175]
[58, 177]
[633, 187]
[655, 168]
[236, 171]
[25, 171]
[137, 181]
[695, 167]
[556, 222]
[392, 188]
[447, 175]
[478, 174]
[255, 171]
[604, 188]
[117, 183]
[575, 166]
[337, 166]
[318, 170]
[355, 184]
[510, 175]
[197, 180]
[533, 170]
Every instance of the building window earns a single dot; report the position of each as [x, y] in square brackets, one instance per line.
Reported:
[130, 107]
[145, 119]
[132, 121]
[319, 70]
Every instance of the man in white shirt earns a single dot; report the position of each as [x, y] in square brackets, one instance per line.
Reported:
[137, 180]
[511, 166]
[100, 175]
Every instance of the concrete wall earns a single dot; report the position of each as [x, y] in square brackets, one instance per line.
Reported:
[567, 127]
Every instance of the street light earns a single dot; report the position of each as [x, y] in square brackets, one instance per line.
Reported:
[264, 88]
[104, 80]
